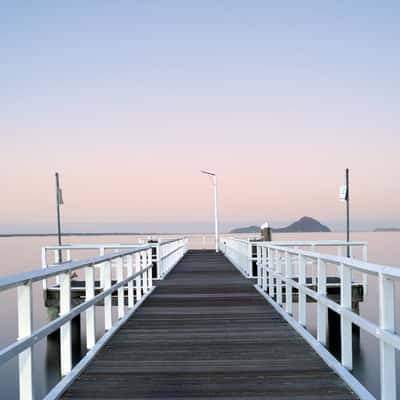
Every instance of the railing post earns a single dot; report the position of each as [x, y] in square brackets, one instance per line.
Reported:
[339, 253]
[65, 330]
[322, 311]
[249, 259]
[365, 276]
[120, 291]
[313, 274]
[278, 279]
[44, 266]
[90, 312]
[150, 271]
[301, 295]
[259, 266]
[129, 267]
[107, 299]
[387, 351]
[144, 274]
[57, 261]
[271, 260]
[138, 279]
[289, 275]
[345, 324]
[102, 266]
[25, 329]
[158, 259]
[264, 268]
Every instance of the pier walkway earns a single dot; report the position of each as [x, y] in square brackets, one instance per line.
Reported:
[204, 333]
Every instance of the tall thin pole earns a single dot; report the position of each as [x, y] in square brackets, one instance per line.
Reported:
[215, 212]
[214, 178]
[58, 199]
[348, 210]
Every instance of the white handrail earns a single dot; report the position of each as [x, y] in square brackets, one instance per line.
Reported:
[285, 269]
[241, 252]
[133, 264]
[171, 243]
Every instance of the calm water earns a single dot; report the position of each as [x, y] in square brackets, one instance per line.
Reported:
[23, 254]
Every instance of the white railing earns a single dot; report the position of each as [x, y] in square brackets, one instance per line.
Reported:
[242, 252]
[133, 271]
[238, 252]
[161, 252]
[284, 270]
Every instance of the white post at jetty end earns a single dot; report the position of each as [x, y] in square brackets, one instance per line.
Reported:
[214, 177]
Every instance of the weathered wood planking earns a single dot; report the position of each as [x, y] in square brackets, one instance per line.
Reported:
[206, 333]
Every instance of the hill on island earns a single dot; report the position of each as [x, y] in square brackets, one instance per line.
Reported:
[304, 224]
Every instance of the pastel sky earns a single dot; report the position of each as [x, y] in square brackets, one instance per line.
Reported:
[128, 100]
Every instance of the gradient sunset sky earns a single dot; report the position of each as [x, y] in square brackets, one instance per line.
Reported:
[128, 100]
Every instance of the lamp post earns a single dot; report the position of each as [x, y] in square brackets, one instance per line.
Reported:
[59, 200]
[214, 178]
[345, 197]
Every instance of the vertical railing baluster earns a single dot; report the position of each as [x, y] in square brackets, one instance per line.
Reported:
[150, 272]
[107, 299]
[249, 258]
[339, 253]
[302, 297]
[322, 311]
[24, 330]
[129, 267]
[138, 279]
[345, 324]
[312, 269]
[90, 312]
[44, 266]
[279, 279]
[158, 261]
[264, 264]
[57, 261]
[144, 274]
[102, 266]
[259, 266]
[289, 275]
[364, 275]
[65, 330]
[120, 291]
[271, 260]
[387, 351]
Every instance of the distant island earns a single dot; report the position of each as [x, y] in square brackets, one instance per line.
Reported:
[387, 230]
[304, 224]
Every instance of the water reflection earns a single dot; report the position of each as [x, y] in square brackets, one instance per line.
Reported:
[53, 362]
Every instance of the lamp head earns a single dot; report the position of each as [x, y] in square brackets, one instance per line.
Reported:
[208, 173]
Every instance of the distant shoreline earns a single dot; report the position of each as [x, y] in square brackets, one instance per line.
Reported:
[6, 235]
[387, 230]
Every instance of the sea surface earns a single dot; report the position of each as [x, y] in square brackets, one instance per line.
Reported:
[23, 254]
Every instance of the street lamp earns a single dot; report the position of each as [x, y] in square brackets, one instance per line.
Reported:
[214, 178]
[60, 202]
[345, 196]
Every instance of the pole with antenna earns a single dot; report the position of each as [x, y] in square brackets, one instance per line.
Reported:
[59, 200]
[347, 211]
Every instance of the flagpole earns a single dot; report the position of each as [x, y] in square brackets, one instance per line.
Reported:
[58, 199]
[348, 210]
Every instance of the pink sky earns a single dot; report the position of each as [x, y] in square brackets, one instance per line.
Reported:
[130, 102]
[268, 173]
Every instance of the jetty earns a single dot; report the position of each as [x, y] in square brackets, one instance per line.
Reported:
[184, 323]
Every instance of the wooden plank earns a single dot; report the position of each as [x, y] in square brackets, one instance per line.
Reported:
[206, 333]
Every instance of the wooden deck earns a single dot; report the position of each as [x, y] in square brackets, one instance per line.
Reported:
[206, 333]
